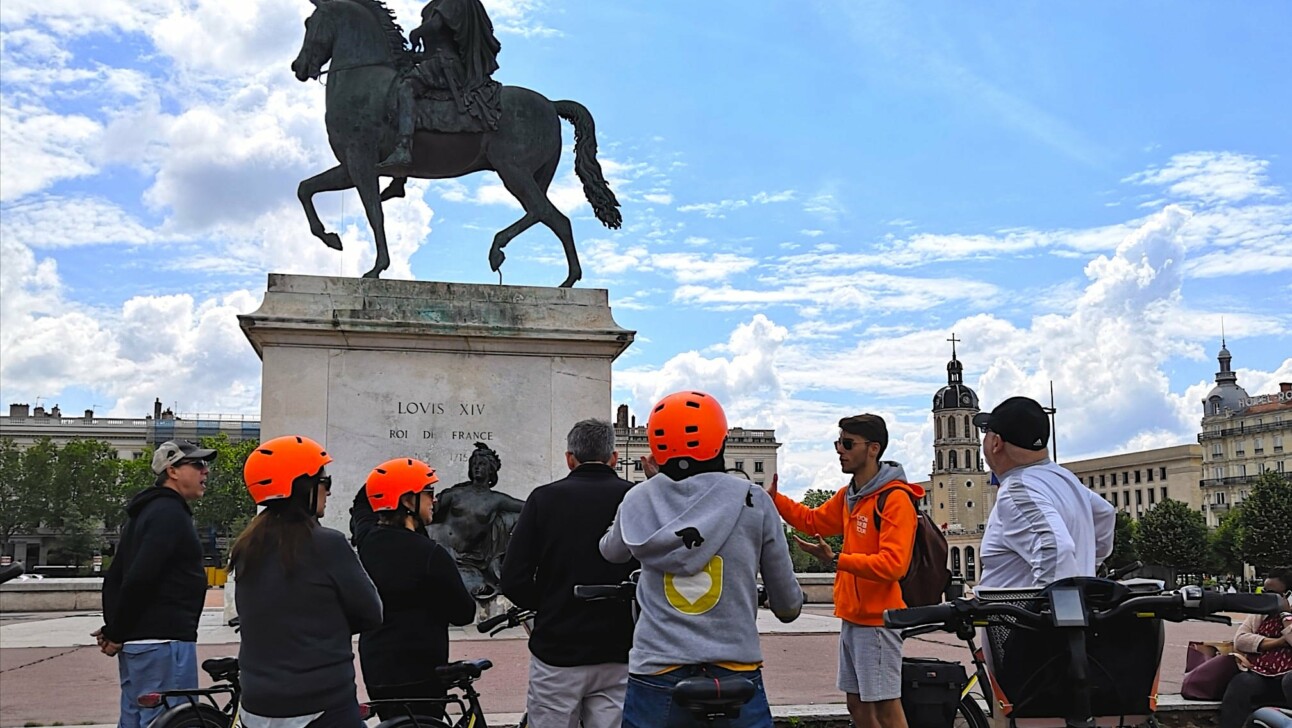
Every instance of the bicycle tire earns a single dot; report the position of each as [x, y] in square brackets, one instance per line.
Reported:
[192, 715]
[969, 715]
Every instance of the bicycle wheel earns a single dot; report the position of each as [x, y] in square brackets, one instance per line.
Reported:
[969, 715]
[191, 715]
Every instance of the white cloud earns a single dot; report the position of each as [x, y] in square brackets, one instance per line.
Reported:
[1211, 177]
[57, 222]
[694, 268]
[45, 146]
[714, 209]
[658, 198]
[764, 198]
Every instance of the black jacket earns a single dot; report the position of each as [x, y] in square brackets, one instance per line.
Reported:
[422, 594]
[554, 548]
[156, 586]
[296, 654]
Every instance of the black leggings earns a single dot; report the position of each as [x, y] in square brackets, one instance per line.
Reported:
[1249, 691]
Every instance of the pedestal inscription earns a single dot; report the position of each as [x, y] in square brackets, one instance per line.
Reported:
[381, 369]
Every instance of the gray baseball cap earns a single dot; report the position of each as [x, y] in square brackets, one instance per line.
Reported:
[173, 451]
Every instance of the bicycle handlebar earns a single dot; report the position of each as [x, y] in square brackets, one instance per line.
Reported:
[10, 572]
[1189, 603]
[512, 617]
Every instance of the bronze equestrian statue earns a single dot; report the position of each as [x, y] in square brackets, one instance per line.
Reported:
[433, 111]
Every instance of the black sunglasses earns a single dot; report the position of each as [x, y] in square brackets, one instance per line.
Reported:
[326, 482]
[847, 443]
[199, 464]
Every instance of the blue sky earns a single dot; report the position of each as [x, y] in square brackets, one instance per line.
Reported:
[814, 196]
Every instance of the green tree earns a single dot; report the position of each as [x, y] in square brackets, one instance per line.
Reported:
[20, 496]
[804, 562]
[79, 540]
[1265, 540]
[83, 484]
[225, 506]
[1125, 537]
[1223, 544]
[1173, 535]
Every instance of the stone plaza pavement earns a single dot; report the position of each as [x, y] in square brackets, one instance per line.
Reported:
[51, 673]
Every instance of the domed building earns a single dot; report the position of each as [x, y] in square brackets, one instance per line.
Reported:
[1242, 436]
[959, 497]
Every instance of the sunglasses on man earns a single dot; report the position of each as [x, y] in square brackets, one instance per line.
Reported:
[847, 443]
[199, 464]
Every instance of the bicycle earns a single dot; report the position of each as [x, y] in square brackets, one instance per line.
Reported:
[192, 711]
[1095, 619]
[458, 676]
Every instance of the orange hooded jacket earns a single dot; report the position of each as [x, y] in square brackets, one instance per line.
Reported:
[873, 561]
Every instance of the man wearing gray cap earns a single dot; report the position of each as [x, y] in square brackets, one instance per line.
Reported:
[155, 589]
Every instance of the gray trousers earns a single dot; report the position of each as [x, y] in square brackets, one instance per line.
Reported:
[561, 697]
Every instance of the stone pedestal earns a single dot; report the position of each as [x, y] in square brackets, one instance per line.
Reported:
[377, 369]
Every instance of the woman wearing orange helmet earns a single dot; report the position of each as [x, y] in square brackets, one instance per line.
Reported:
[419, 585]
[702, 536]
[301, 594]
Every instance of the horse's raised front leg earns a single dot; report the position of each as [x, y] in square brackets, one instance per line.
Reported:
[394, 189]
[332, 180]
[362, 166]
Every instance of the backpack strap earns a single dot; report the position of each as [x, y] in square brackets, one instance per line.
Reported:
[883, 498]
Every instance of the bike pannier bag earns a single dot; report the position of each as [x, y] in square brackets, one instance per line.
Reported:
[931, 691]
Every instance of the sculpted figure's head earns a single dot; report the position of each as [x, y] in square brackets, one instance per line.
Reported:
[483, 467]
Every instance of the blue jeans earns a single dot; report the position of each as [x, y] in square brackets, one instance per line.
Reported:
[153, 668]
[649, 701]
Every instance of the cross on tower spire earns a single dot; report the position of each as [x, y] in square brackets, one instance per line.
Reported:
[953, 341]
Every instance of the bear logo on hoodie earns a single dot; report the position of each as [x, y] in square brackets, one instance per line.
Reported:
[690, 537]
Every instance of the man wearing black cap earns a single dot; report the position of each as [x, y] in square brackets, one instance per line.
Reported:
[1045, 525]
[154, 591]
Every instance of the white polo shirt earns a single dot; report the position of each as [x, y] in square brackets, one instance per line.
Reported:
[1045, 526]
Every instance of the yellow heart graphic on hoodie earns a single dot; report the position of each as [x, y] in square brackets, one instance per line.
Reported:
[698, 592]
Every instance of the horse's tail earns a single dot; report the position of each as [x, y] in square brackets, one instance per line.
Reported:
[586, 166]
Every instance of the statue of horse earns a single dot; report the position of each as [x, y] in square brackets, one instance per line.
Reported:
[367, 53]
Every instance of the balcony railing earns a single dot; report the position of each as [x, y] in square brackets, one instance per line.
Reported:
[1245, 430]
[1237, 480]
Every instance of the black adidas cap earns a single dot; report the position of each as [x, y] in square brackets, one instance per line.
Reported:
[1019, 421]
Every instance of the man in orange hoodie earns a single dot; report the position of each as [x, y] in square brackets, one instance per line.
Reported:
[876, 555]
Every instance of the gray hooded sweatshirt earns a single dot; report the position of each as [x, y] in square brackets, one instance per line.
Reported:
[701, 542]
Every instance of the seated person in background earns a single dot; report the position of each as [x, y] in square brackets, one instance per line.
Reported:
[1264, 647]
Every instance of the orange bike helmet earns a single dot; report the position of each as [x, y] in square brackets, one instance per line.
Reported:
[686, 424]
[388, 482]
[274, 465]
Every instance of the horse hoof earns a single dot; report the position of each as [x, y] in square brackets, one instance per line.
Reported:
[393, 190]
[332, 240]
[570, 281]
[374, 273]
[496, 257]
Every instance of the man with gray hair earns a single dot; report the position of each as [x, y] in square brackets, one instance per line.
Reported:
[579, 650]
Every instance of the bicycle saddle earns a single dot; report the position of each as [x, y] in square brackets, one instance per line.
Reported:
[707, 696]
[221, 668]
[455, 672]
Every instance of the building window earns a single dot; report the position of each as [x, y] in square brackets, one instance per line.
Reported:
[1114, 499]
[968, 504]
[955, 560]
[1218, 473]
[968, 483]
[1139, 497]
[1101, 481]
[1152, 496]
[740, 465]
[1150, 475]
[941, 506]
[1136, 477]
[968, 427]
[1278, 467]
[1125, 477]
[951, 460]
[1217, 450]
[951, 427]
[1259, 446]
[968, 460]
[758, 466]
[937, 427]
[1162, 472]
[1240, 448]
[1278, 443]
[971, 569]
[758, 482]
[637, 465]
[939, 459]
[1242, 470]
[1220, 498]
[1164, 495]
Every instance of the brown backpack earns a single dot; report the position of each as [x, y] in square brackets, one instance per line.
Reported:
[928, 577]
